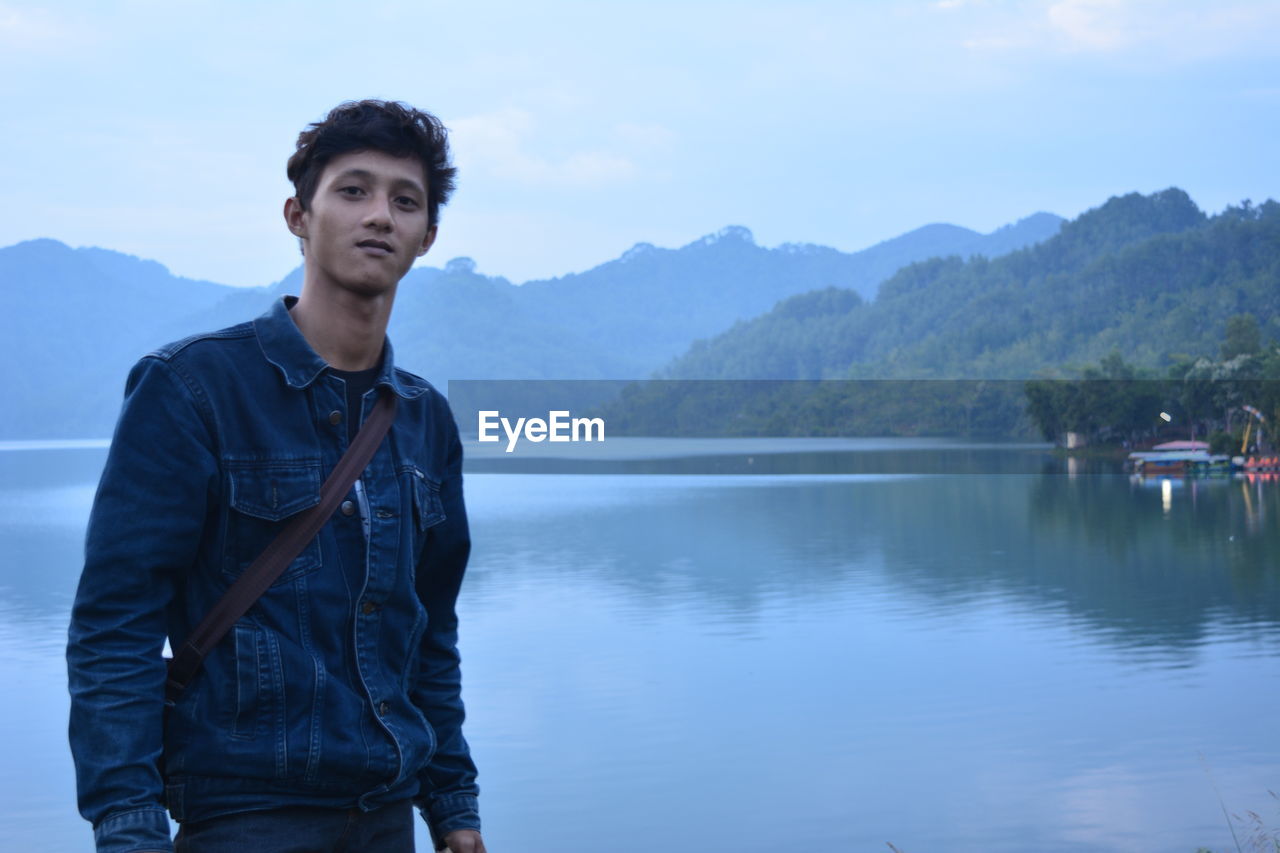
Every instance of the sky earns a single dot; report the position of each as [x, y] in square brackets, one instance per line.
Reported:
[161, 129]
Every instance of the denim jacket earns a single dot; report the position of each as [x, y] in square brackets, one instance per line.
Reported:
[341, 686]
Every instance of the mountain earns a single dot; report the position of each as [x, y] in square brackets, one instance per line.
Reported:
[458, 324]
[650, 303]
[1152, 276]
[80, 315]
[85, 315]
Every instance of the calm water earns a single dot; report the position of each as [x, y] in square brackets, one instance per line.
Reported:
[827, 649]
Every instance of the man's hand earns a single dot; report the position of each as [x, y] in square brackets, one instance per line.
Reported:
[464, 841]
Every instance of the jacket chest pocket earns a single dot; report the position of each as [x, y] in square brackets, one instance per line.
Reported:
[263, 497]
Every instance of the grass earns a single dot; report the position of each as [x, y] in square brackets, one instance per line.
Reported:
[1257, 836]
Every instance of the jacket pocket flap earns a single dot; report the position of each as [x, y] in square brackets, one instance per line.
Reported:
[273, 492]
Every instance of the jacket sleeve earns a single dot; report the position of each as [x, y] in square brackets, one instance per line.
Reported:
[144, 529]
[448, 791]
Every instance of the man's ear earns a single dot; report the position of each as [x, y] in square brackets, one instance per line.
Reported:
[427, 241]
[295, 217]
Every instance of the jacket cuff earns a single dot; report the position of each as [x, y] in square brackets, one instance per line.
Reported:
[134, 831]
[455, 811]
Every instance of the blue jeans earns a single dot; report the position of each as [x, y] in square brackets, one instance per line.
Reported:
[302, 829]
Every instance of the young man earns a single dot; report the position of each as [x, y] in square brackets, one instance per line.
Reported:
[334, 703]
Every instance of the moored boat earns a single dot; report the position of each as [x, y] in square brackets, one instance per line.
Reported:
[1179, 459]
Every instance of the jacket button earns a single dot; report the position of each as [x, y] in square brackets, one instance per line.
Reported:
[382, 709]
[335, 417]
[348, 508]
[368, 607]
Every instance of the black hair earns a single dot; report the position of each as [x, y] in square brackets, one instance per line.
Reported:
[392, 127]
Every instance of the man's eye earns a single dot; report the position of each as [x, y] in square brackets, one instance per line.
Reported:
[350, 190]
[407, 202]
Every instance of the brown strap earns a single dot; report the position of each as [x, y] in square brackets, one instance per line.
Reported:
[262, 572]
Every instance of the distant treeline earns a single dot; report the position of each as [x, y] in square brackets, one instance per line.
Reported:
[717, 408]
[1117, 402]
[1112, 402]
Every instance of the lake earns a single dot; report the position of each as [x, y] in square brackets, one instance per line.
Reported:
[767, 644]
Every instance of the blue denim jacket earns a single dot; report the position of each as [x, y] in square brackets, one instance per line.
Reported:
[341, 686]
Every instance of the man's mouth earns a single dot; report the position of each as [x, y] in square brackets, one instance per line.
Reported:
[375, 244]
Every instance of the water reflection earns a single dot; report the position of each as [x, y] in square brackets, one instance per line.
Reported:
[1097, 550]
[1140, 563]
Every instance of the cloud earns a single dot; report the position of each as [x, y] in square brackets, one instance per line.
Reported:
[1163, 30]
[1093, 24]
[35, 30]
[501, 144]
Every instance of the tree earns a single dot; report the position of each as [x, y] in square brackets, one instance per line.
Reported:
[1242, 338]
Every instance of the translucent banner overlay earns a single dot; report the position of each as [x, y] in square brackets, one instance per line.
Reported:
[882, 427]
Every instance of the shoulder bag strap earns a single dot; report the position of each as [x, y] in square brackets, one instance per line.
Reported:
[300, 530]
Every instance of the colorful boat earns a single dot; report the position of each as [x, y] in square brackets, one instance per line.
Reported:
[1179, 459]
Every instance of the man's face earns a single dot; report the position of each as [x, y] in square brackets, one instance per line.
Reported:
[366, 223]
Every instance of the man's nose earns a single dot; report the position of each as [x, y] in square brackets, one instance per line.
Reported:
[379, 213]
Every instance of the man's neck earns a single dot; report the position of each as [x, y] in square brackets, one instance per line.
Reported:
[344, 329]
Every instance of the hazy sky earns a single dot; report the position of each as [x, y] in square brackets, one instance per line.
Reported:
[161, 129]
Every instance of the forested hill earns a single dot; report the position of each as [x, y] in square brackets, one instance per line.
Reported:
[1151, 276]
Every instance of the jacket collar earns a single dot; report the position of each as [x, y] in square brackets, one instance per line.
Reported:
[284, 346]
